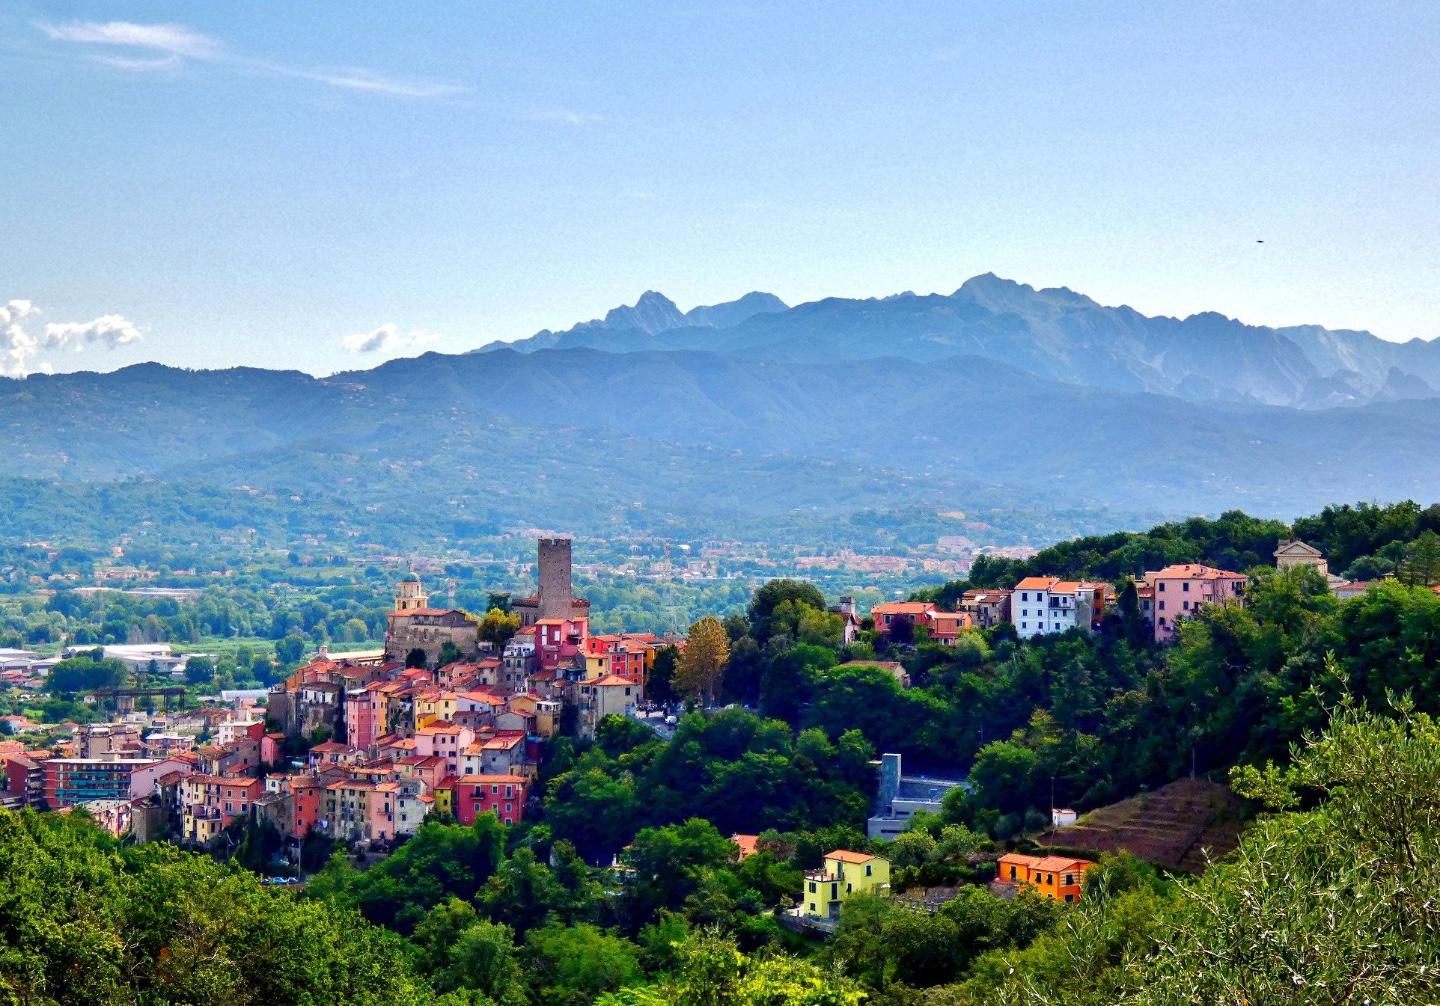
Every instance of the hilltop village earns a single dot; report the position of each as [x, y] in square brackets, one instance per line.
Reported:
[453, 716]
[805, 775]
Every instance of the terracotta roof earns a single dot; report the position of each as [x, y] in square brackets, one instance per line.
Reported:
[1199, 571]
[441, 727]
[747, 844]
[903, 608]
[1046, 864]
[1036, 583]
[609, 681]
[846, 856]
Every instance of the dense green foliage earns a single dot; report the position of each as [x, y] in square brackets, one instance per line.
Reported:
[734, 769]
[1362, 542]
[83, 921]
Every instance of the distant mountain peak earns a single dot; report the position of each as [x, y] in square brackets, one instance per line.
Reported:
[653, 312]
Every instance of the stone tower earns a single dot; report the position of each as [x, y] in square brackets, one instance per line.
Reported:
[555, 578]
[411, 596]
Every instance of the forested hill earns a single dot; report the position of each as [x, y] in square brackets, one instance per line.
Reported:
[689, 434]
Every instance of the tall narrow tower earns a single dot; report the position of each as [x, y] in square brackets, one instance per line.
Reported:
[555, 578]
[411, 596]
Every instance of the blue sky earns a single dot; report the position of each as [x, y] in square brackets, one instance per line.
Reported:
[221, 184]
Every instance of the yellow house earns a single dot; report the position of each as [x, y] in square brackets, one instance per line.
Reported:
[433, 705]
[844, 875]
[444, 795]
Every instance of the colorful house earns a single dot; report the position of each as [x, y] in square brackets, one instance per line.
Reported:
[601, 697]
[944, 626]
[1058, 878]
[443, 739]
[504, 795]
[843, 875]
[1041, 605]
[1181, 590]
[559, 640]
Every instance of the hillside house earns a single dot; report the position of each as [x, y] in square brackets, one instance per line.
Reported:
[1183, 589]
[843, 875]
[503, 795]
[1059, 878]
[989, 607]
[1042, 605]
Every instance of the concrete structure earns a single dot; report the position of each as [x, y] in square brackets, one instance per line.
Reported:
[211, 802]
[850, 617]
[944, 627]
[70, 781]
[25, 779]
[899, 797]
[109, 740]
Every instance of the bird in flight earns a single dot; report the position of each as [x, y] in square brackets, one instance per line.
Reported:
[1259, 241]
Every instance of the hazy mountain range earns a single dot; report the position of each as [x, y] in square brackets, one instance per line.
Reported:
[997, 396]
[1053, 333]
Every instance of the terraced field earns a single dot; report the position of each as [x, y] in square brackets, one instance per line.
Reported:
[1176, 826]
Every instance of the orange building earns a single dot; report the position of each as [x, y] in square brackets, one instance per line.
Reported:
[944, 626]
[1058, 878]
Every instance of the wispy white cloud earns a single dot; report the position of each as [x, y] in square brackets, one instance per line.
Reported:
[158, 64]
[359, 79]
[20, 349]
[389, 338]
[171, 38]
[181, 44]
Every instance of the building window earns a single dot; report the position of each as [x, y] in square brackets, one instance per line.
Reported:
[1069, 898]
[812, 887]
[1162, 605]
[1160, 586]
[867, 869]
[1185, 586]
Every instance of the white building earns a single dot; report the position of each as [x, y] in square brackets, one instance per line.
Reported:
[1041, 605]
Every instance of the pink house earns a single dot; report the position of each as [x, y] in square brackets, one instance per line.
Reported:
[380, 810]
[1180, 591]
[559, 640]
[443, 739]
[503, 794]
[360, 715]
